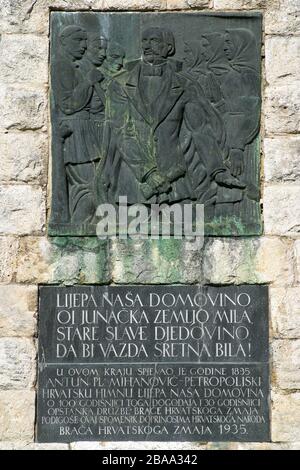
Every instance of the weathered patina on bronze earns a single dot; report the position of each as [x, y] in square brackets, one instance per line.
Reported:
[157, 107]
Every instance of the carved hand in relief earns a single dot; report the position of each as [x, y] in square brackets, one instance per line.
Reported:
[224, 178]
[95, 76]
[236, 162]
[158, 182]
[65, 130]
[253, 192]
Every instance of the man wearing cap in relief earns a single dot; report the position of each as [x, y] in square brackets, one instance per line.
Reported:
[82, 113]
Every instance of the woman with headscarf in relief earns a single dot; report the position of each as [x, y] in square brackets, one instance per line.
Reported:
[240, 86]
[241, 91]
[195, 70]
[231, 59]
[201, 61]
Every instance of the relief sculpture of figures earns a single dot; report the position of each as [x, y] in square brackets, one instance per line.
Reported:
[81, 100]
[241, 89]
[141, 110]
[148, 106]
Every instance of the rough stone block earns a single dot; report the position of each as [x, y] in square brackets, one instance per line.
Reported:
[24, 157]
[229, 260]
[282, 109]
[134, 4]
[33, 260]
[282, 210]
[297, 254]
[260, 446]
[22, 209]
[274, 262]
[8, 258]
[130, 445]
[285, 311]
[155, 261]
[36, 446]
[17, 363]
[32, 16]
[185, 4]
[23, 58]
[31, 446]
[282, 17]
[286, 417]
[80, 260]
[286, 364]
[17, 415]
[62, 260]
[219, 261]
[282, 162]
[282, 59]
[239, 4]
[264, 260]
[22, 108]
[233, 446]
[294, 446]
[18, 305]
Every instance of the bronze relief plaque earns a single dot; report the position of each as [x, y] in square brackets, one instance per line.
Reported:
[163, 108]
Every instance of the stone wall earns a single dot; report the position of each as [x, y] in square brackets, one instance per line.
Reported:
[28, 257]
